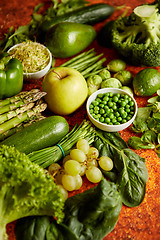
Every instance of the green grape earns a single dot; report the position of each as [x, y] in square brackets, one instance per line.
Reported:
[68, 182]
[72, 167]
[58, 176]
[83, 169]
[53, 168]
[79, 182]
[92, 162]
[78, 155]
[93, 153]
[63, 191]
[106, 163]
[66, 158]
[83, 145]
[94, 174]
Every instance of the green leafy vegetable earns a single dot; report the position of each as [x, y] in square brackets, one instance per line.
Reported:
[42, 228]
[129, 172]
[147, 122]
[136, 37]
[59, 232]
[25, 189]
[32, 228]
[93, 213]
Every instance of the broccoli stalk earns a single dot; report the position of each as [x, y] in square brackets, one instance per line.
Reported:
[137, 37]
[26, 189]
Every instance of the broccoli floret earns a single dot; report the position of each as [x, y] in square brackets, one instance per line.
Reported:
[137, 36]
[25, 189]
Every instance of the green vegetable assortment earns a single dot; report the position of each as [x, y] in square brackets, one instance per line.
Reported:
[32, 143]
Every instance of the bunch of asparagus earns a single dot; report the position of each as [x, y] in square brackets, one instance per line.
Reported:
[20, 110]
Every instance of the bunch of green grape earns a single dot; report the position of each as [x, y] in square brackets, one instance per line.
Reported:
[83, 160]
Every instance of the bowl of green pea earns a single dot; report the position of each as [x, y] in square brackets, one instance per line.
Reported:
[111, 109]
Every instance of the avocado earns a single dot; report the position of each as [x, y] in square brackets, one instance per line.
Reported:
[67, 39]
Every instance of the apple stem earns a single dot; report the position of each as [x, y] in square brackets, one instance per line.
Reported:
[57, 74]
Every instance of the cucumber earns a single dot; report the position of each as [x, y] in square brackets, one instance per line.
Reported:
[41, 134]
[90, 14]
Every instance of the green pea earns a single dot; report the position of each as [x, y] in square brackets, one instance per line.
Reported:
[100, 95]
[98, 99]
[124, 121]
[107, 120]
[96, 108]
[91, 111]
[114, 120]
[117, 114]
[95, 103]
[131, 103]
[114, 107]
[110, 104]
[106, 98]
[102, 111]
[115, 98]
[124, 115]
[119, 119]
[101, 105]
[101, 119]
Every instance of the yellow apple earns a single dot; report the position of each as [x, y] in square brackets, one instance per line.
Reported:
[66, 90]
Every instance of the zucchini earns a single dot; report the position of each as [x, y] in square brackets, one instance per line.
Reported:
[41, 134]
[90, 14]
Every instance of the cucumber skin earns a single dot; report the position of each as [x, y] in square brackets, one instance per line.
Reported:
[91, 14]
[44, 133]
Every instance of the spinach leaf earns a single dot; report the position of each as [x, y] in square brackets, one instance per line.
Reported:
[59, 232]
[132, 179]
[146, 141]
[93, 213]
[32, 228]
[129, 172]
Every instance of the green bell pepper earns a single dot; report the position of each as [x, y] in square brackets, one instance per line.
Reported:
[11, 77]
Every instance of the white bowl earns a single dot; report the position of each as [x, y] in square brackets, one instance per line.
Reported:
[104, 126]
[38, 74]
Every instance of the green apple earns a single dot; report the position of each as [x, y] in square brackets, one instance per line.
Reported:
[66, 90]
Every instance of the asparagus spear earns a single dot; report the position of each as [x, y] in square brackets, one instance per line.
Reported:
[15, 121]
[22, 125]
[8, 115]
[17, 97]
[29, 97]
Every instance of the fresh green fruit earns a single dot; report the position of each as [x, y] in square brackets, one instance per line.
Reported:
[146, 82]
[68, 39]
[66, 90]
[127, 89]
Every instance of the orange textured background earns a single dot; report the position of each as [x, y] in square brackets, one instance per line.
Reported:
[142, 222]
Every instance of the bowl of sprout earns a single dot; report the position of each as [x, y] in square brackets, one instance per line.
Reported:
[111, 109]
[36, 59]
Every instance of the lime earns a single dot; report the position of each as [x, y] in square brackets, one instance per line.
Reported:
[146, 82]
